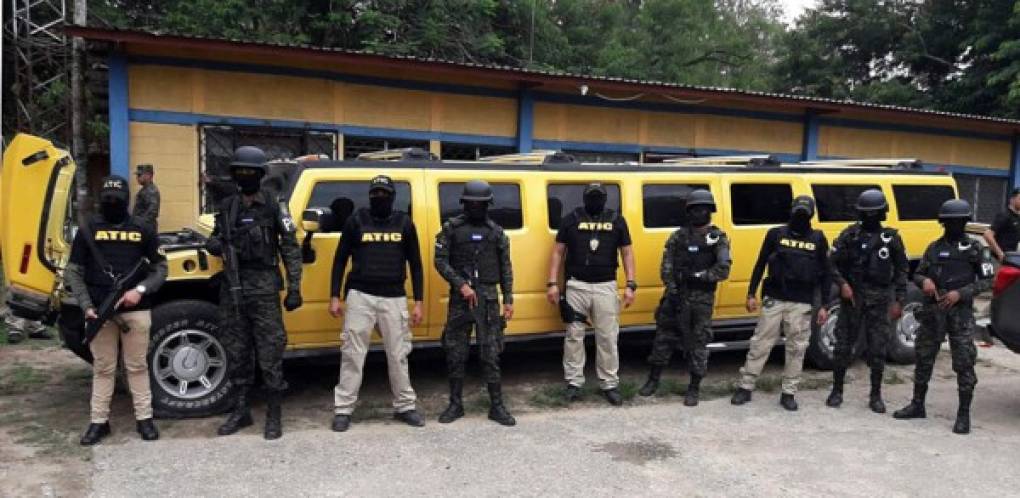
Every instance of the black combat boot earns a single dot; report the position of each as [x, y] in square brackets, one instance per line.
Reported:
[962, 425]
[240, 417]
[147, 429]
[652, 384]
[341, 422]
[835, 398]
[787, 402]
[741, 396]
[95, 433]
[875, 397]
[455, 409]
[410, 417]
[916, 407]
[15, 336]
[497, 411]
[274, 417]
[693, 391]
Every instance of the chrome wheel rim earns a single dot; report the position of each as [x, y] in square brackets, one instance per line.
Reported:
[189, 364]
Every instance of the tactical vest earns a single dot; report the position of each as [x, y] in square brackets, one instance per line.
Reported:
[579, 244]
[871, 256]
[254, 233]
[379, 256]
[475, 250]
[122, 246]
[953, 264]
[697, 253]
[795, 261]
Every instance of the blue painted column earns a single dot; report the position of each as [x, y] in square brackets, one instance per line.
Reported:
[118, 102]
[525, 119]
[1014, 162]
[809, 149]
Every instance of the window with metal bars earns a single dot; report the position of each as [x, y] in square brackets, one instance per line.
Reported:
[353, 145]
[603, 157]
[986, 194]
[472, 152]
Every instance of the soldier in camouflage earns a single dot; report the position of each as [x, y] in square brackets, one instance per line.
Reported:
[146, 207]
[695, 260]
[952, 271]
[870, 268]
[473, 255]
[259, 232]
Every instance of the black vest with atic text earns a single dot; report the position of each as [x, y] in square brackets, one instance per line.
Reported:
[122, 246]
[379, 255]
[597, 233]
[475, 250]
[795, 261]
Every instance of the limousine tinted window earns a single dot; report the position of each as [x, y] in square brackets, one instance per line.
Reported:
[343, 198]
[565, 197]
[838, 202]
[665, 205]
[921, 202]
[760, 203]
[505, 209]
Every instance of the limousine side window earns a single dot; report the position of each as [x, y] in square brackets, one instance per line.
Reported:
[505, 210]
[564, 198]
[838, 202]
[665, 205]
[760, 203]
[921, 202]
[343, 198]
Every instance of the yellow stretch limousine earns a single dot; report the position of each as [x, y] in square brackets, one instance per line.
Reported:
[532, 192]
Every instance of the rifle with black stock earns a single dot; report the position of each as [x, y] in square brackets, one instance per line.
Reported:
[231, 270]
[108, 308]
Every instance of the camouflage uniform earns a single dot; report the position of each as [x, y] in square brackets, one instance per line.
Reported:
[486, 318]
[260, 324]
[146, 207]
[693, 307]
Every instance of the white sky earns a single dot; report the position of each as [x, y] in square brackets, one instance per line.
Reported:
[793, 8]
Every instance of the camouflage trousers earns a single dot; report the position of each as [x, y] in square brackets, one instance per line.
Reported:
[872, 315]
[956, 322]
[488, 324]
[689, 325]
[255, 336]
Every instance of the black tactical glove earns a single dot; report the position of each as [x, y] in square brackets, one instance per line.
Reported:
[293, 300]
[214, 246]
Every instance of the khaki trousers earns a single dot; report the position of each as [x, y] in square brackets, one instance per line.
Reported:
[601, 304]
[364, 313]
[135, 347]
[795, 320]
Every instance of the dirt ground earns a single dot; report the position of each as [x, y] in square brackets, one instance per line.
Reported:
[44, 393]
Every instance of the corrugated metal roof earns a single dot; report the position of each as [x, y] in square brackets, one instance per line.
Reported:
[112, 34]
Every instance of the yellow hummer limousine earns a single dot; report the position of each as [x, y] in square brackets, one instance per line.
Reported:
[532, 192]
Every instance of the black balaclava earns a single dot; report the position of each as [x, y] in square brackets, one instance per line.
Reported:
[800, 214]
[594, 203]
[380, 206]
[956, 228]
[476, 211]
[247, 179]
[113, 199]
[871, 221]
[699, 216]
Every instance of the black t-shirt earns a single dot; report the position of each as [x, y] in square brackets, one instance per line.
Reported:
[1007, 230]
[577, 238]
[122, 246]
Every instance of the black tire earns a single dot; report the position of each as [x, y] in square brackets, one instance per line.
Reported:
[71, 325]
[823, 340]
[184, 349]
[904, 331]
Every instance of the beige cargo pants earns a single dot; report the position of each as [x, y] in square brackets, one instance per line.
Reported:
[135, 346]
[795, 320]
[365, 312]
[601, 304]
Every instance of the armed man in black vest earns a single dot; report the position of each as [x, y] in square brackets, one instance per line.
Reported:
[799, 278]
[952, 271]
[590, 238]
[383, 243]
[252, 234]
[871, 267]
[104, 254]
[696, 258]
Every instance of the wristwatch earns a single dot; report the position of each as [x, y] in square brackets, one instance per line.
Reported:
[140, 289]
[550, 284]
[632, 285]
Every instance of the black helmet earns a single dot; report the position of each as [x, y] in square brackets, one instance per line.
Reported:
[476, 190]
[872, 200]
[249, 157]
[954, 208]
[701, 197]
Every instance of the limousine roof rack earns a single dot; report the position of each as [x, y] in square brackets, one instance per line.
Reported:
[752, 161]
[891, 163]
[405, 154]
[537, 157]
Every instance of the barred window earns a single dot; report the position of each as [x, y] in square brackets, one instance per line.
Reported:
[472, 152]
[585, 156]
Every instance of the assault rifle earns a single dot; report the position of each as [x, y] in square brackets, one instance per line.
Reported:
[108, 308]
[231, 269]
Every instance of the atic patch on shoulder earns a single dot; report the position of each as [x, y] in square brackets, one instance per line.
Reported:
[288, 223]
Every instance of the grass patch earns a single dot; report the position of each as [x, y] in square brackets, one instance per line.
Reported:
[20, 379]
[49, 441]
[548, 396]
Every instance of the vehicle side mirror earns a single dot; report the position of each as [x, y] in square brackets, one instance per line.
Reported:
[311, 221]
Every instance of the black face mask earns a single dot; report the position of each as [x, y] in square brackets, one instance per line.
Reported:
[871, 221]
[699, 216]
[476, 212]
[594, 204]
[381, 206]
[955, 228]
[800, 221]
[113, 210]
[249, 185]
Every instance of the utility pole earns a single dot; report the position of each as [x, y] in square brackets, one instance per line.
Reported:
[78, 147]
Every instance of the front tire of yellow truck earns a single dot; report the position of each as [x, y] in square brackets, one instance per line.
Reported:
[187, 361]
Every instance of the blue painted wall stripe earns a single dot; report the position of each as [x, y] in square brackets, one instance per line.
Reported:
[591, 100]
[525, 120]
[809, 152]
[1014, 162]
[930, 130]
[120, 135]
